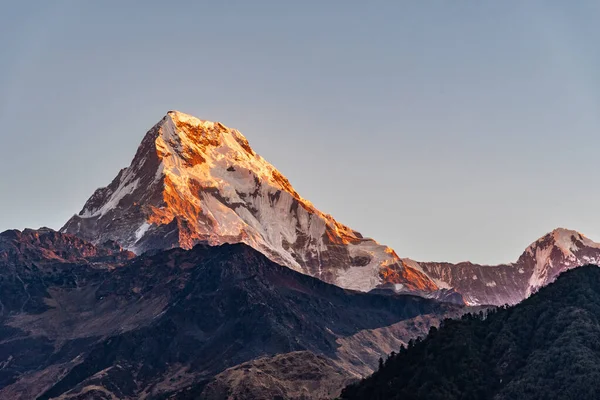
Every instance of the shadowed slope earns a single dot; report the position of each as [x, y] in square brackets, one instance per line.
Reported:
[103, 325]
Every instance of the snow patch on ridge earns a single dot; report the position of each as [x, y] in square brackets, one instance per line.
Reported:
[142, 231]
[123, 190]
[564, 240]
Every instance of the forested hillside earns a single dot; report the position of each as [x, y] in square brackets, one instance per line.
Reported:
[547, 347]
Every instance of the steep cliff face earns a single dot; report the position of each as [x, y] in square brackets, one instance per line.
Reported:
[195, 181]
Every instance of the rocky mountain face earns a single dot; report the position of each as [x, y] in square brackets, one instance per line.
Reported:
[45, 246]
[81, 321]
[194, 181]
[538, 266]
[33, 260]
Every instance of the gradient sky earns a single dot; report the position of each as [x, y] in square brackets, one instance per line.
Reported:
[449, 130]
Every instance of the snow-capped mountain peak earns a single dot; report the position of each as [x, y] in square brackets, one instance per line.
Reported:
[559, 250]
[195, 181]
[566, 240]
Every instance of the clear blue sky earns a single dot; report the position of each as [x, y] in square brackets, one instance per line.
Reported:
[449, 130]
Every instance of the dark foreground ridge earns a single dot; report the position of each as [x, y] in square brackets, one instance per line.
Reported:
[80, 321]
[547, 347]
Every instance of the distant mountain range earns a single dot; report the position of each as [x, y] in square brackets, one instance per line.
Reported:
[194, 181]
[539, 265]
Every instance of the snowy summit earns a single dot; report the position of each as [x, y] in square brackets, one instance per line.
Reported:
[193, 181]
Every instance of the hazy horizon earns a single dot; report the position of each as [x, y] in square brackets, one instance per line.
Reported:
[449, 133]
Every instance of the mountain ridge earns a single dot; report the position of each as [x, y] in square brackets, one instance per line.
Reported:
[539, 264]
[196, 181]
